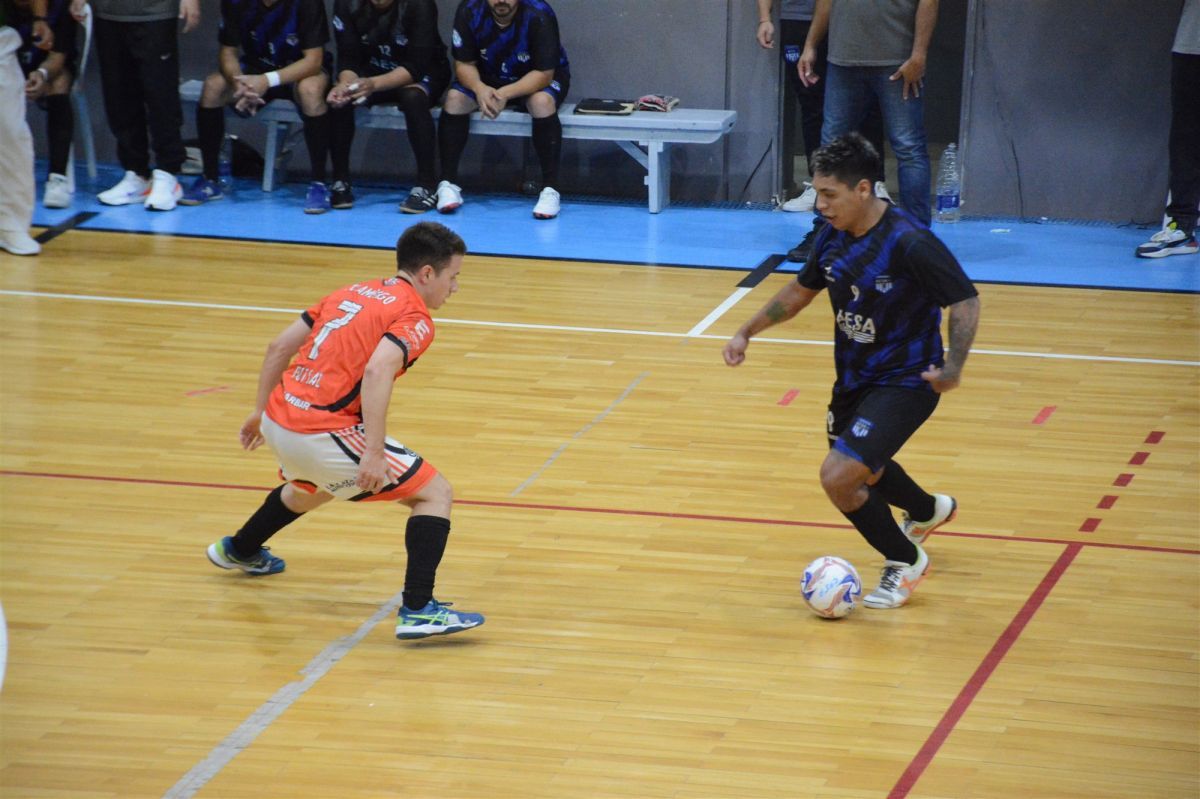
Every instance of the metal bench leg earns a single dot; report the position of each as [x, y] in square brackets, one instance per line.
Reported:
[658, 180]
[268, 183]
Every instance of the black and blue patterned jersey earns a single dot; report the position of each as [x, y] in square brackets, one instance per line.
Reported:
[272, 36]
[58, 17]
[505, 55]
[887, 288]
[374, 42]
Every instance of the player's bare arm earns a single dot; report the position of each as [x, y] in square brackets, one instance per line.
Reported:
[376, 393]
[964, 321]
[279, 354]
[787, 302]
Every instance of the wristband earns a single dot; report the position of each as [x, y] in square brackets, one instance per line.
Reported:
[45, 74]
[272, 79]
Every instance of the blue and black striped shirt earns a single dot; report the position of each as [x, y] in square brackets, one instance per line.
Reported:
[270, 37]
[887, 289]
[505, 55]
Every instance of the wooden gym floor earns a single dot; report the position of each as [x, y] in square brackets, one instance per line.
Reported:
[633, 518]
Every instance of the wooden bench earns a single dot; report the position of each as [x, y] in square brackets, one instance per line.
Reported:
[647, 136]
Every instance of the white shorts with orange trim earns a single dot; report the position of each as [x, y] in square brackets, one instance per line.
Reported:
[329, 462]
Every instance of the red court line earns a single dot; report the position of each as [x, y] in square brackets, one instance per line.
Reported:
[1123, 480]
[1155, 437]
[787, 398]
[1044, 414]
[974, 685]
[1138, 458]
[622, 512]
[1089, 525]
[1106, 502]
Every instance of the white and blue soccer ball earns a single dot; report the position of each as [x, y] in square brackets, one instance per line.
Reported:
[831, 587]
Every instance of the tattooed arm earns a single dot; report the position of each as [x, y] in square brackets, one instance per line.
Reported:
[790, 300]
[964, 321]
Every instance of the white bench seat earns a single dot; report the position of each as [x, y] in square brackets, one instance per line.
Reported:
[646, 136]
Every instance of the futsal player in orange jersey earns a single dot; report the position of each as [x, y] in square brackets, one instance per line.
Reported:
[323, 395]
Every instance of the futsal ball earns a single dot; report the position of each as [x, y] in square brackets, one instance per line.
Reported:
[831, 587]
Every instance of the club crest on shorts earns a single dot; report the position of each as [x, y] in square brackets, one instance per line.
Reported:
[861, 427]
[883, 284]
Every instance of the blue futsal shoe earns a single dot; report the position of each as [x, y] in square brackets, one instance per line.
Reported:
[317, 201]
[434, 619]
[201, 191]
[223, 554]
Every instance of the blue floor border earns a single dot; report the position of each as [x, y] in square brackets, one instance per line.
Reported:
[1058, 253]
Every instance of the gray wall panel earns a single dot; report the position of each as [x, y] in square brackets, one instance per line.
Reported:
[1067, 107]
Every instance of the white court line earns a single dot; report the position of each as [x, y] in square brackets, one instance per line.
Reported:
[573, 329]
[718, 312]
[579, 433]
[273, 708]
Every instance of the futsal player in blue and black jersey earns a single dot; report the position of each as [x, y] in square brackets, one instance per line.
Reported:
[389, 52]
[270, 50]
[888, 279]
[505, 52]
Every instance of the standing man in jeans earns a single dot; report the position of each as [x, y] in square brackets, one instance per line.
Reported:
[138, 46]
[877, 53]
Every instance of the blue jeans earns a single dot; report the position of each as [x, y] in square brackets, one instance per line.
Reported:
[850, 92]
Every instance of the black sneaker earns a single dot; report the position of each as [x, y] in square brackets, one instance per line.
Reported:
[799, 253]
[340, 196]
[418, 201]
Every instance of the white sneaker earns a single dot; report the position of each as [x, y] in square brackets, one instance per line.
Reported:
[165, 192]
[131, 189]
[944, 509]
[804, 203]
[449, 197]
[882, 193]
[548, 204]
[897, 581]
[58, 191]
[18, 242]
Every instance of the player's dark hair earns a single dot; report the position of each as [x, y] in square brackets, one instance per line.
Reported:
[848, 159]
[427, 243]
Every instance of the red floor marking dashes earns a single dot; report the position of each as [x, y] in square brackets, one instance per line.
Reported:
[200, 391]
[788, 397]
[1125, 478]
[1044, 414]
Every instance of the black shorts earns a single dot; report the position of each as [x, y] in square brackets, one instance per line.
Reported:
[434, 86]
[871, 424]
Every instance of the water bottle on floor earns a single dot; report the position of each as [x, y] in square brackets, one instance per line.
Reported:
[949, 185]
[225, 164]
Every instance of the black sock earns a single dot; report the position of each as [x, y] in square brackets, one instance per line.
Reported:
[425, 539]
[898, 489]
[210, 129]
[60, 124]
[271, 517]
[874, 521]
[421, 135]
[547, 141]
[341, 137]
[316, 136]
[453, 130]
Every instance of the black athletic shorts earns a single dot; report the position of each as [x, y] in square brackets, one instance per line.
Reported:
[872, 423]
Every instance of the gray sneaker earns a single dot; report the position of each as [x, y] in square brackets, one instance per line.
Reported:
[418, 201]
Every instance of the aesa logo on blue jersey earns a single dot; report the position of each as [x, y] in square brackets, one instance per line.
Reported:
[293, 40]
[883, 284]
[338, 25]
[523, 57]
[454, 37]
[861, 427]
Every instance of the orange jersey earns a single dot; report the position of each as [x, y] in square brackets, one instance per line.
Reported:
[319, 391]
